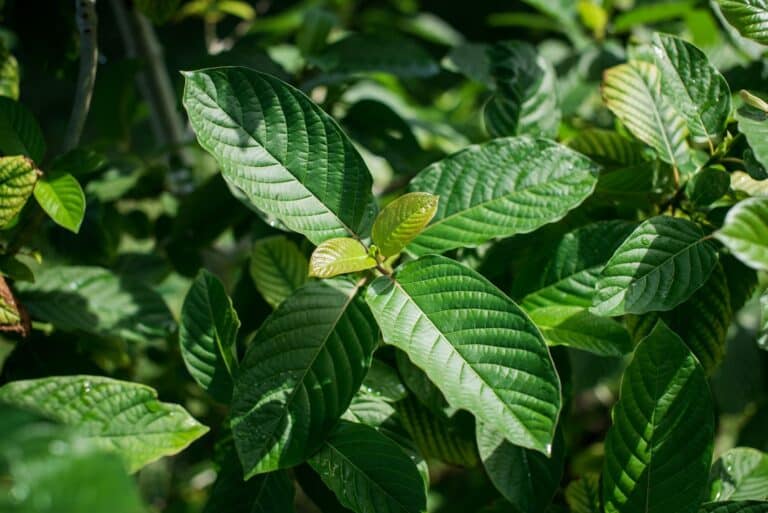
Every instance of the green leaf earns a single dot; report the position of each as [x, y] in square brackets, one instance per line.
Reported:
[762, 341]
[694, 86]
[525, 101]
[402, 220]
[707, 186]
[339, 256]
[501, 188]
[382, 381]
[740, 474]
[472, 60]
[289, 158]
[526, 478]
[49, 468]
[63, 200]
[735, 507]
[314, 31]
[571, 269]
[19, 132]
[96, 301]
[299, 375]
[18, 176]
[278, 268]
[651, 13]
[745, 232]
[159, 11]
[753, 123]
[436, 435]
[116, 415]
[386, 483]
[575, 327]
[608, 147]
[474, 343]
[267, 493]
[583, 494]
[9, 74]
[369, 53]
[658, 450]
[207, 334]
[633, 93]
[660, 265]
[749, 17]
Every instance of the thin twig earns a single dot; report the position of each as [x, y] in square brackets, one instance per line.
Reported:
[86, 78]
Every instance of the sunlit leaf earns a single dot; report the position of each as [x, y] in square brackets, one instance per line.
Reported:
[339, 256]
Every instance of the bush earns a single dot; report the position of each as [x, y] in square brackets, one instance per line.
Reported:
[418, 259]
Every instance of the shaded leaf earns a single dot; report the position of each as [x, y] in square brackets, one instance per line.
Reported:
[387, 483]
[658, 450]
[207, 334]
[753, 123]
[739, 474]
[278, 268]
[299, 375]
[577, 328]
[19, 132]
[735, 507]
[583, 494]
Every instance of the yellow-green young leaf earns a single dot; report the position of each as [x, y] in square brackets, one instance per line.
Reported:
[745, 232]
[18, 176]
[63, 200]
[116, 415]
[633, 93]
[750, 17]
[339, 256]
[402, 220]
[659, 448]
[278, 268]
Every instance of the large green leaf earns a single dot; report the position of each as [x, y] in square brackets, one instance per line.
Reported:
[526, 478]
[525, 101]
[366, 53]
[402, 220]
[18, 176]
[740, 474]
[278, 268]
[474, 343]
[19, 132]
[116, 415]
[633, 93]
[368, 472]
[289, 158]
[208, 333]
[608, 147]
[300, 373]
[96, 301]
[694, 86]
[735, 507]
[49, 468]
[660, 265]
[501, 188]
[63, 200]
[745, 232]
[339, 256]
[658, 450]
[750, 17]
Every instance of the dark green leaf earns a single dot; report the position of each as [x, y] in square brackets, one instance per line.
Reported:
[750, 17]
[19, 132]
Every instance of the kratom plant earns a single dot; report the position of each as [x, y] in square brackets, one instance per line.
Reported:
[527, 278]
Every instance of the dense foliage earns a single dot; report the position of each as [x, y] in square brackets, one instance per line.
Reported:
[384, 257]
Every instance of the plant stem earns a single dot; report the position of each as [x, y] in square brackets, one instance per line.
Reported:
[86, 78]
